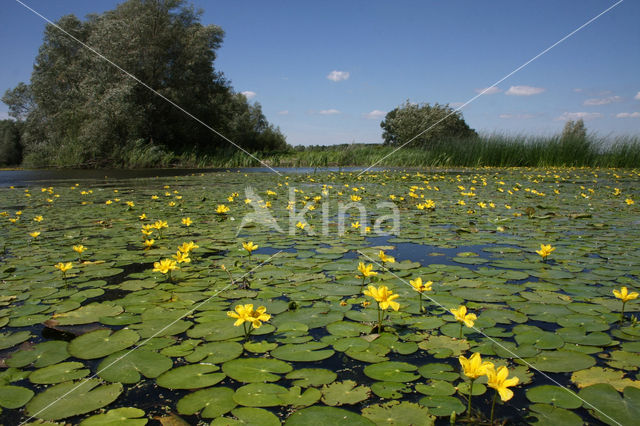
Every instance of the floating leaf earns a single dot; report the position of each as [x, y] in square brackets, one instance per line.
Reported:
[398, 413]
[561, 361]
[211, 402]
[306, 377]
[606, 404]
[72, 398]
[125, 416]
[8, 340]
[87, 314]
[192, 376]
[100, 343]
[554, 395]
[442, 405]
[392, 371]
[13, 397]
[312, 351]
[295, 398]
[259, 395]
[252, 370]
[40, 355]
[326, 416]
[595, 375]
[548, 415]
[346, 392]
[58, 373]
[127, 366]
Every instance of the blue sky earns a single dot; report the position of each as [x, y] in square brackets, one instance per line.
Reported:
[326, 72]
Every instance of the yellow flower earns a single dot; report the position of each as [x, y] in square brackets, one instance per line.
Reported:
[181, 257]
[246, 313]
[365, 303]
[474, 367]
[186, 221]
[165, 266]
[343, 303]
[300, 225]
[355, 198]
[148, 243]
[629, 201]
[172, 203]
[383, 296]
[154, 197]
[463, 317]
[188, 247]
[355, 225]
[498, 381]
[624, 294]
[147, 232]
[545, 250]
[385, 258]
[79, 249]
[249, 247]
[367, 229]
[366, 271]
[108, 202]
[130, 203]
[35, 234]
[222, 209]
[419, 286]
[159, 224]
[143, 216]
[64, 267]
[38, 218]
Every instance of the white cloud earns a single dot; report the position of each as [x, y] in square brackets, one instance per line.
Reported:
[516, 116]
[566, 116]
[283, 112]
[249, 94]
[524, 90]
[338, 75]
[376, 114]
[602, 101]
[489, 90]
[329, 112]
[637, 96]
[628, 115]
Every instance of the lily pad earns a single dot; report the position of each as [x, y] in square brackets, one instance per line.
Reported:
[561, 361]
[192, 376]
[40, 355]
[255, 370]
[259, 395]
[554, 395]
[215, 352]
[87, 314]
[306, 377]
[392, 371]
[8, 340]
[346, 392]
[327, 416]
[443, 405]
[548, 415]
[125, 416]
[58, 373]
[100, 343]
[128, 366]
[72, 398]
[595, 375]
[211, 402]
[606, 404]
[296, 398]
[398, 413]
[13, 397]
[312, 351]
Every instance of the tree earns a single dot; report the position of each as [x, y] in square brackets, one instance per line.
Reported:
[409, 120]
[10, 147]
[574, 130]
[81, 110]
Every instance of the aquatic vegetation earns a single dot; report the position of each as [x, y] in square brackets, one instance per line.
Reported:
[624, 295]
[250, 247]
[545, 251]
[141, 345]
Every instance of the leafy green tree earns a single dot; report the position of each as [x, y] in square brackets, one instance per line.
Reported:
[81, 110]
[10, 147]
[574, 130]
[406, 122]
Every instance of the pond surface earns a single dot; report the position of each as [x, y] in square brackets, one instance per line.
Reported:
[112, 338]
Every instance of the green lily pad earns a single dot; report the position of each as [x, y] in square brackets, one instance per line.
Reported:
[436, 344]
[125, 416]
[436, 387]
[13, 397]
[306, 377]
[253, 370]
[127, 366]
[248, 416]
[72, 398]
[347, 329]
[260, 347]
[192, 376]
[87, 314]
[215, 352]
[326, 416]
[211, 402]
[58, 373]
[606, 404]
[438, 371]
[40, 355]
[346, 392]
[296, 398]
[561, 361]
[554, 395]
[392, 371]
[8, 340]
[390, 390]
[548, 415]
[398, 413]
[259, 395]
[443, 405]
[595, 375]
[312, 351]
[100, 343]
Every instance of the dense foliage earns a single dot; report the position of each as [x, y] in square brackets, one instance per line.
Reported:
[10, 147]
[81, 110]
[424, 125]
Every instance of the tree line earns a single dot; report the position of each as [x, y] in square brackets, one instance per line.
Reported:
[79, 110]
